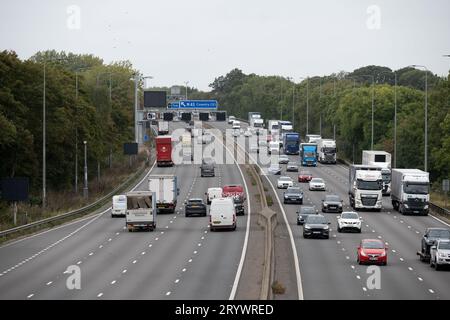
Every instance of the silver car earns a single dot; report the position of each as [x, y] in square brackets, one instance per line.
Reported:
[317, 184]
[292, 167]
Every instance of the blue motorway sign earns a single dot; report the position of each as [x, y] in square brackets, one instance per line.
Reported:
[173, 105]
[198, 104]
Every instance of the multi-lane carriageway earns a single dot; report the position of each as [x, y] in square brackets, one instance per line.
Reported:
[181, 259]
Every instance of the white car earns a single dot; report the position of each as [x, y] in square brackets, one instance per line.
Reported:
[285, 182]
[248, 133]
[440, 254]
[349, 220]
[317, 184]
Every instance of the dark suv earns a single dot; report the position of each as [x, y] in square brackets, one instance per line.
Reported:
[195, 206]
[207, 168]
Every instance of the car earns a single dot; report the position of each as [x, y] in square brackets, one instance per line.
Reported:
[440, 254]
[304, 212]
[207, 168]
[349, 220]
[195, 206]
[248, 133]
[284, 182]
[316, 226]
[231, 119]
[317, 184]
[372, 251]
[236, 133]
[239, 206]
[429, 238]
[293, 195]
[253, 148]
[292, 166]
[304, 176]
[235, 191]
[119, 206]
[332, 203]
[274, 169]
[283, 159]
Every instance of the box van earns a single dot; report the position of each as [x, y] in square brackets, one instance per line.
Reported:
[213, 193]
[222, 214]
[119, 206]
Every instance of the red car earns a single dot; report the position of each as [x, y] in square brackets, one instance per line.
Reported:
[235, 191]
[304, 176]
[372, 251]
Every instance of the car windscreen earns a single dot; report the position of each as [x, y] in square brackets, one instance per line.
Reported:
[307, 210]
[285, 179]
[293, 190]
[443, 234]
[316, 220]
[349, 215]
[373, 245]
[315, 180]
[195, 201]
[333, 198]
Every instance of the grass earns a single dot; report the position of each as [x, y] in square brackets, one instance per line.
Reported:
[440, 199]
[269, 200]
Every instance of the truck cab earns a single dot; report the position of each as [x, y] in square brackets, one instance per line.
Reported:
[410, 192]
[291, 143]
[308, 154]
[327, 151]
[365, 185]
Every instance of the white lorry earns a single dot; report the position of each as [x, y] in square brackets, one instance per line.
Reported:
[365, 184]
[273, 127]
[166, 191]
[163, 128]
[383, 160]
[119, 206]
[141, 210]
[410, 191]
[327, 151]
[313, 138]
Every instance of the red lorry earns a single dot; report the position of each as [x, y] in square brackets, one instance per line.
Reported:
[164, 151]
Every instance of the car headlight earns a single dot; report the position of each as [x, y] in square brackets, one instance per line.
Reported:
[363, 253]
[325, 205]
[442, 255]
[383, 254]
[307, 227]
[326, 228]
[406, 206]
[426, 207]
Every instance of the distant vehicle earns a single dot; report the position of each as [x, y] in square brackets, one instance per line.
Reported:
[381, 159]
[429, 239]
[304, 176]
[274, 169]
[195, 206]
[274, 147]
[410, 192]
[213, 193]
[166, 191]
[248, 133]
[316, 226]
[332, 203]
[163, 127]
[304, 212]
[293, 195]
[308, 154]
[372, 251]
[234, 191]
[291, 143]
[119, 206]
[313, 138]
[284, 182]
[141, 210]
[231, 119]
[365, 184]
[257, 123]
[164, 151]
[253, 148]
[292, 167]
[238, 206]
[207, 168]
[254, 115]
[222, 214]
[236, 124]
[440, 254]
[273, 127]
[236, 133]
[206, 138]
[285, 126]
[349, 220]
[317, 184]
[327, 151]
[283, 159]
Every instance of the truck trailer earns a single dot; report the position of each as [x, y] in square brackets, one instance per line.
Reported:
[410, 191]
[164, 151]
[166, 191]
[383, 160]
[163, 127]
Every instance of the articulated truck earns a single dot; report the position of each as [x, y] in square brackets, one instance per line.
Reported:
[308, 154]
[365, 185]
[327, 151]
[410, 192]
[381, 159]
[291, 143]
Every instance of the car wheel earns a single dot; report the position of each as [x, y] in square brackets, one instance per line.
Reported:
[305, 236]
[339, 230]
[359, 230]
[437, 266]
[431, 263]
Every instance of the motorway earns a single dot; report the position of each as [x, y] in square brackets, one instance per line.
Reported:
[328, 268]
[181, 259]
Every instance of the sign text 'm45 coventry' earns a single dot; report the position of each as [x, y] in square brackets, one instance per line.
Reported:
[198, 104]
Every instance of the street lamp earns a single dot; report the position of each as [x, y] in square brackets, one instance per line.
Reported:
[85, 189]
[185, 85]
[395, 114]
[426, 113]
[307, 102]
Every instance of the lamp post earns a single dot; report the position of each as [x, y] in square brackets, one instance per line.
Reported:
[185, 86]
[426, 114]
[85, 189]
[307, 102]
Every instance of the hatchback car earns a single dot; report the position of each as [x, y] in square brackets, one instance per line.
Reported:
[304, 212]
[316, 226]
[317, 184]
[284, 182]
[283, 159]
[304, 176]
[274, 169]
[293, 195]
[332, 203]
[372, 251]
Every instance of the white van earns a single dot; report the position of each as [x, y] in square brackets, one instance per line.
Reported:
[222, 214]
[274, 147]
[213, 193]
[119, 206]
[236, 124]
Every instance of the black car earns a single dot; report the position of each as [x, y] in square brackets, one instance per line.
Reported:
[293, 195]
[316, 226]
[304, 212]
[332, 203]
[195, 206]
[429, 239]
[239, 206]
[207, 168]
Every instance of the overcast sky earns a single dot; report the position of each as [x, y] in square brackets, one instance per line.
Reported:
[177, 41]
